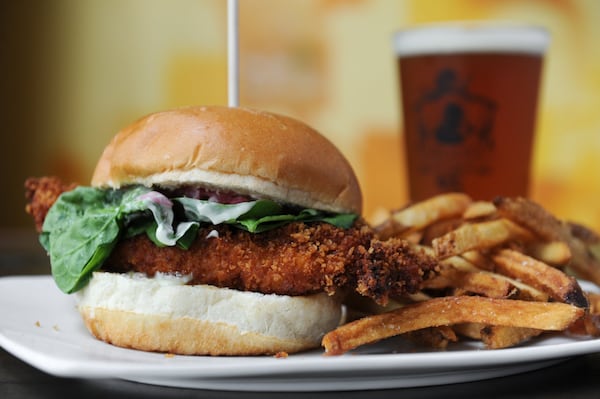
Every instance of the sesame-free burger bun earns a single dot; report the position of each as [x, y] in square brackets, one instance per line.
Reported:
[249, 152]
[163, 314]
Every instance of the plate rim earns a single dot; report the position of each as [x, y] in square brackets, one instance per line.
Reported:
[301, 365]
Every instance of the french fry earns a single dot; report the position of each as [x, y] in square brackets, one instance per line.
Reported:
[438, 229]
[497, 337]
[479, 236]
[434, 337]
[486, 265]
[479, 259]
[502, 276]
[461, 263]
[583, 263]
[423, 214]
[583, 233]
[594, 250]
[590, 323]
[484, 284]
[526, 292]
[542, 223]
[532, 216]
[555, 253]
[476, 262]
[479, 209]
[592, 319]
[594, 301]
[448, 311]
[546, 278]
[469, 330]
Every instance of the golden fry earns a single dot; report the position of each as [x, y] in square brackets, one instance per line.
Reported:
[434, 337]
[594, 301]
[524, 291]
[532, 216]
[486, 265]
[479, 236]
[438, 229]
[546, 278]
[537, 219]
[480, 283]
[447, 311]
[424, 213]
[590, 323]
[503, 271]
[583, 233]
[584, 263]
[478, 259]
[555, 253]
[476, 262]
[469, 330]
[461, 263]
[497, 337]
[479, 209]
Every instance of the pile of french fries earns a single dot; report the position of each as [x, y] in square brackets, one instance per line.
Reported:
[506, 274]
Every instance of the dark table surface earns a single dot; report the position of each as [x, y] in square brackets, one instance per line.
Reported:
[577, 377]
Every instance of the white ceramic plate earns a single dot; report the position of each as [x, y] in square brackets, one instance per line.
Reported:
[40, 325]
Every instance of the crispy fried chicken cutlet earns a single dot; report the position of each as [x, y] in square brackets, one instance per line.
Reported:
[218, 230]
[41, 194]
[296, 259]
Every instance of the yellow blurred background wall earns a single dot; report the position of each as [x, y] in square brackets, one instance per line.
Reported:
[73, 72]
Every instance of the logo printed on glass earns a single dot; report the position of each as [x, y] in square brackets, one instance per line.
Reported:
[453, 120]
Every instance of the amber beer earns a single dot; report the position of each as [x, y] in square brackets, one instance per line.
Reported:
[469, 100]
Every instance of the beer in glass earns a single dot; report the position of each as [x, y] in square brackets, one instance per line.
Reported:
[469, 101]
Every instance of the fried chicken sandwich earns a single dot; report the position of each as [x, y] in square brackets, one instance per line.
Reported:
[220, 231]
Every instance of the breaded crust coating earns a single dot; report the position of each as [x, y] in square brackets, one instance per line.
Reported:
[292, 260]
[40, 194]
[297, 259]
[391, 268]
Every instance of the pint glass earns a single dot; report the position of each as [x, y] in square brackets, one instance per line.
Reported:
[469, 100]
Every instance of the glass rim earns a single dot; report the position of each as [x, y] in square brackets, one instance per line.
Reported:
[471, 37]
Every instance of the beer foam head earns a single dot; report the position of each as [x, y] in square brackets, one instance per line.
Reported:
[471, 38]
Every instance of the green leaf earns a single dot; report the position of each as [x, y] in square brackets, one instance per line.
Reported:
[263, 208]
[189, 237]
[71, 205]
[342, 220]
[271, 221]
[78, 249]
[264, 223]
[82, 228]
[44, 239]
[136, 226]
[151, 233]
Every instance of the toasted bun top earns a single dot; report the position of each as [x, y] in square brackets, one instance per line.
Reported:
[251, 152]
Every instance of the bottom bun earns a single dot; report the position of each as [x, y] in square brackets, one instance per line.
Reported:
[163, 314]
